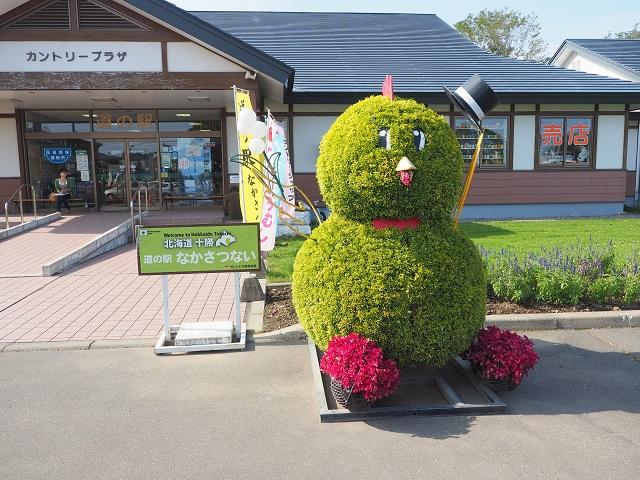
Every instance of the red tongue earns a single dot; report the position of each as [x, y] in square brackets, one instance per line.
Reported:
[405, 177]
[402, 224]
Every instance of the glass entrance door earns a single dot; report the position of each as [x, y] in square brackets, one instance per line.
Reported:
[143, 168]
[121, 167]
[111, 174]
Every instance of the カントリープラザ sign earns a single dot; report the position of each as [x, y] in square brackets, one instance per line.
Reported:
[198, 248]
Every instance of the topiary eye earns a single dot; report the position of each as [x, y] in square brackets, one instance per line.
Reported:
[384, 138]
[418, 139]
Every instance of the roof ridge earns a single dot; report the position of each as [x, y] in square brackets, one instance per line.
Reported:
[313, 13]
[603, 39]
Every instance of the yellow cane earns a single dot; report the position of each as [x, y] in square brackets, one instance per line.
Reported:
[467, 183]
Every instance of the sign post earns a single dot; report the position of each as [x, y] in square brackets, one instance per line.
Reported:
[186, 249]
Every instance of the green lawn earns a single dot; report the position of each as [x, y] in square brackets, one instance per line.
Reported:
[520, 236]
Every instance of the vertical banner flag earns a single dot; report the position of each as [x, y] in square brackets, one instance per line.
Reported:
[251, 190]
[283, 200]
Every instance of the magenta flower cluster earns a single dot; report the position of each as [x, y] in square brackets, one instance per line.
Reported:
[356, 361]
[502, 354]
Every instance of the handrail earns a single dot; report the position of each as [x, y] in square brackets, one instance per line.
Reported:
[137, 193]
[19, 192]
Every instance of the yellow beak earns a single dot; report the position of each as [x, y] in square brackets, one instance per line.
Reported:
[404, 165]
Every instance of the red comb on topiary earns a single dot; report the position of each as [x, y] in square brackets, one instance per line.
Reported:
[387, 87]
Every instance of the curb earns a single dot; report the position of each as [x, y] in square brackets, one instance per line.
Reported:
[294, 334]
[566, 320]
[107, 241]
[290, 334]
[76, 345]
[30, 225]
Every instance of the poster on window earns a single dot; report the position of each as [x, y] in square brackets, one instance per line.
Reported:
[578, 134]
[551, 141]
[565, 141]
[194, 165]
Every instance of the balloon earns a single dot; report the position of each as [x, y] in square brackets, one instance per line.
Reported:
[256, 145]
[246, 116]
[245, 129]
[259, 129]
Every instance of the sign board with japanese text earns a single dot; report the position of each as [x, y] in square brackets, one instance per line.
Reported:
[80, 56]
[57, 156]
[198, 248]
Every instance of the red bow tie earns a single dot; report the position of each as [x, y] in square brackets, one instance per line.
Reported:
[402, 224]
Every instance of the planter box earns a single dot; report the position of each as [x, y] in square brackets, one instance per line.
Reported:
[452, 390]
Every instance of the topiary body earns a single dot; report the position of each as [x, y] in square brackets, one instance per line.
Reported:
[419, 292]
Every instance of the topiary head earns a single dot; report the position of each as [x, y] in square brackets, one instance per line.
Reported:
[387, 158]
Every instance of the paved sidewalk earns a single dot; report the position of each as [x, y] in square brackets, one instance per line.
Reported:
[26, 253]
[105, 298]
[127, 414]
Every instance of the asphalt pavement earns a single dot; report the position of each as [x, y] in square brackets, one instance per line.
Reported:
[128, 414]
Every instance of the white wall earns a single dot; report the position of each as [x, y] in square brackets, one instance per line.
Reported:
[524, 141]
[190, 57]
[9, 160]
[610, 143]
[632, 149]
[585, 63]
[307, 133]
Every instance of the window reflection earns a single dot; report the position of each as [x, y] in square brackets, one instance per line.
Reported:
[191, 166]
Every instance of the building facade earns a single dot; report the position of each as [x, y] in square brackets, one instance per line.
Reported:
[616, 58]
[125, 92]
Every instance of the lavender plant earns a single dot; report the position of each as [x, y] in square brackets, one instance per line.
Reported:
[563, 275]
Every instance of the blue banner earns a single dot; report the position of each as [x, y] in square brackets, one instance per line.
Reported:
[57, 156]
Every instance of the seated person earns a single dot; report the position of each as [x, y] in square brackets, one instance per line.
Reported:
[63, 187]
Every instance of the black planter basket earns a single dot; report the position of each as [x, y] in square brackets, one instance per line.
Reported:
[499, 385]
[347, 399]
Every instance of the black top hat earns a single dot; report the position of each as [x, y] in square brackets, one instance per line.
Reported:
[475, 99]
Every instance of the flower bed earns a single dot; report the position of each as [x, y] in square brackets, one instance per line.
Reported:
[279, 312]
[570, 275]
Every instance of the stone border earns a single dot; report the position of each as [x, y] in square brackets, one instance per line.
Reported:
[30, 225]
[566, 320]
[76, 345]
[105, 242]
[294, 334]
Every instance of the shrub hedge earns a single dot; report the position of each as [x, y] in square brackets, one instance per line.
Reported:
[420, 294]
[358, 179]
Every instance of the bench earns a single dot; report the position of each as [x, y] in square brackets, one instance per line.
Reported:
[44, 203]
[192, 199]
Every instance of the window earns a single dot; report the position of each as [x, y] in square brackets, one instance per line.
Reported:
[191, 166]
[47, 156]
[565, 141]
[494, 146]
[50, 121]
[189, 120]
[116, 121]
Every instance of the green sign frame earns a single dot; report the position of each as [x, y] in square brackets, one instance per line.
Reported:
[183, 249]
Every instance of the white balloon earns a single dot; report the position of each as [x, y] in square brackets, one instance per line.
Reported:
[247, 116]
[259, 129]
[256, 145]
[244, 128]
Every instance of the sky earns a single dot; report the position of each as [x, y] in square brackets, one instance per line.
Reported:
[559, 19]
